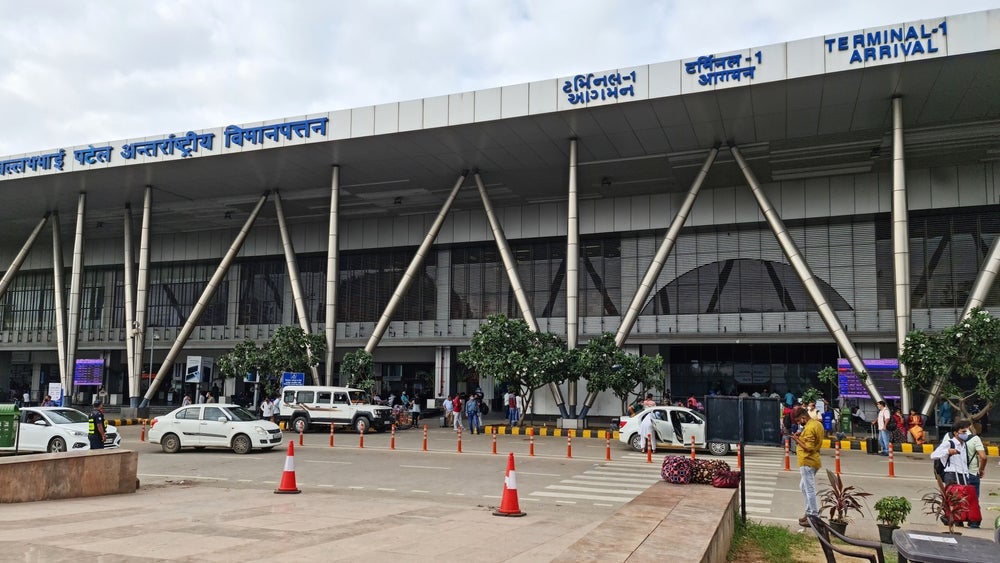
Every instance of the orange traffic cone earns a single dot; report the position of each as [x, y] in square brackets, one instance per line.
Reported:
[508, 503]
[287, 485]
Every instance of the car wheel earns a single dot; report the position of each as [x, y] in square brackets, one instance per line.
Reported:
[300, 424]
[718, 448]
[171, 443]
[636, 442]
[361, 425]
[56, 444]
[242, 444]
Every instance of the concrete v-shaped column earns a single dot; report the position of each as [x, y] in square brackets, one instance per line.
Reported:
[411, 271]
[572, 267]
[134, 376]
[15, 265]
[656, 266]
[510, 265]
[59, 303]
[199, 307]
[804, 272]
[142, 291]
[75, 283]
[293, 277]
[977, 296]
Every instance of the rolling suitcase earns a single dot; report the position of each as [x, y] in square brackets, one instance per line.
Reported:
[871, 443]
[971, 511]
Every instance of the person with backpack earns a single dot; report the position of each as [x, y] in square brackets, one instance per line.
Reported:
[512, 411]
[976, 454]
[951, 464]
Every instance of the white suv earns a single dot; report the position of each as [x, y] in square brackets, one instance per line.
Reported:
[302, 406]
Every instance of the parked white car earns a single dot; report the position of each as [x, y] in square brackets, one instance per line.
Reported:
[213, 425]
[672, 426]
[58, 429]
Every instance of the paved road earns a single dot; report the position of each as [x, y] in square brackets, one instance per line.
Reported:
[548, 479]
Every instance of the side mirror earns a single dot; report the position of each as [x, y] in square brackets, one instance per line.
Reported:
[223, 419]
[40, 423]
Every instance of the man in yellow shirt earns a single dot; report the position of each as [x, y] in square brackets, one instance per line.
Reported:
[809, 440]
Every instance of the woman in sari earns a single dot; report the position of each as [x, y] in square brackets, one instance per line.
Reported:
[916, 426]
[898, 434]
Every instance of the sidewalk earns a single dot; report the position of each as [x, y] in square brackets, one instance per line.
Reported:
[187, 522]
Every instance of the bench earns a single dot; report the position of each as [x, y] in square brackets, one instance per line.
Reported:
[90, 473]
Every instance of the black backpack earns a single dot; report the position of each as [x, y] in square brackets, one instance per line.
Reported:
[939, 466]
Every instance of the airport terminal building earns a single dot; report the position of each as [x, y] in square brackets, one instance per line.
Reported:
[752, 216]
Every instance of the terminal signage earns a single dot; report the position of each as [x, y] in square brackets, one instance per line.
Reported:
[882, 374]
[889, 43]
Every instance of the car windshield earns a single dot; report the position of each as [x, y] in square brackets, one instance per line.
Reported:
[66, 416]
[359, 397]
[240, 413]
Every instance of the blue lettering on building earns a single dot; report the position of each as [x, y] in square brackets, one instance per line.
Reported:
[584, 88]
[889, 43]
[723, 69]
[185, 145]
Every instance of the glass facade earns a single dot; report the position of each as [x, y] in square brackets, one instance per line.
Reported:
[712, 270]
[479, 285]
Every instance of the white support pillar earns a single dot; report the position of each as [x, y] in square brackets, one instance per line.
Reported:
[75, 284]
[332, 275]
[572, 268]
[900, 244]
[15, 265]
[142, 291]
[134, 377]
[59, 303]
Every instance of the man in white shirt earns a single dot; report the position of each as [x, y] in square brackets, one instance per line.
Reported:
[883, 427]
[267, 409]
[976, 454]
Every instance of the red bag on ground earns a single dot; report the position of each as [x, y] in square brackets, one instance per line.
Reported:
[972, 512]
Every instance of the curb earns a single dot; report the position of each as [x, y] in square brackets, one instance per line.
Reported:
[126, 421]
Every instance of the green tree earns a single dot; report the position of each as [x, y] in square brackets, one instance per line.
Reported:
[510, 352]
[359, 369]
[291, 349]
[966, 356]
[608, 367]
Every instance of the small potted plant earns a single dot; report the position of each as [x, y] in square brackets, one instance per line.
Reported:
[839, 500]
[891, 513]
[943, 504]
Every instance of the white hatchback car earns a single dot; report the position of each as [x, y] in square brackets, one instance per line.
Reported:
[213, 425]
[58, 429]
[672, 426]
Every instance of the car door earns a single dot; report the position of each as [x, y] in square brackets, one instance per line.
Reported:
[34, 432]
[185, 424]
[686, 424]
[342, 409]
[661, 426]
[213, 432]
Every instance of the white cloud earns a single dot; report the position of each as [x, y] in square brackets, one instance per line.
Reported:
[84, 72]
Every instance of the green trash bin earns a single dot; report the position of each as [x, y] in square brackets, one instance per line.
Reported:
[8, 425]
[845, 420]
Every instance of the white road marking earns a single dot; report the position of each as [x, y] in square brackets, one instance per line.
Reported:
[539, 474]
[328, 462]
[423, 467]
[184, 477]
[583, 497]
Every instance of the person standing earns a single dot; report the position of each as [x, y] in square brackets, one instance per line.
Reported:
[449, 406]
[209, 398]
[26, 399]
[952, 453]
[809, 440]
[944, 414]
[648, 402]
[267, 409]
[456, 411]
[472, 413]
[95, 426]
[976, 453]
[186, 400]
[415, 411]
[883, 427]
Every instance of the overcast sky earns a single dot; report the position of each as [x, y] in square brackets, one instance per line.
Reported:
[75, 72]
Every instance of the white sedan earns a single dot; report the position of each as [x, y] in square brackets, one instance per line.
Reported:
[213, 425]
[672, 427]
[58, 429]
